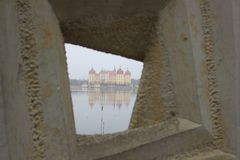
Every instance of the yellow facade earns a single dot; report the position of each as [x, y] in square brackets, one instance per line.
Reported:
[113, 77]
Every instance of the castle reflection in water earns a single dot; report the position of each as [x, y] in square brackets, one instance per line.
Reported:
[102, 111]
[106, 97]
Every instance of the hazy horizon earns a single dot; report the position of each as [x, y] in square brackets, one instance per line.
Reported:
[80, 60]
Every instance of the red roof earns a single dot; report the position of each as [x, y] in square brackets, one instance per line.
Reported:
[104, 72]
[120, 71]
[92, 71]
[127, 72]
[112, 73]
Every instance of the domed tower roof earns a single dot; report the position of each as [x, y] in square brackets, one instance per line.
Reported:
[127, 72]
[92, 71]
[120, 71]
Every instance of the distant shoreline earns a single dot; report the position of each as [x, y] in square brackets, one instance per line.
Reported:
[83, 86]
[127, 89]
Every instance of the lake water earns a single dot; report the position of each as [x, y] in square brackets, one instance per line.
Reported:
[102, 111]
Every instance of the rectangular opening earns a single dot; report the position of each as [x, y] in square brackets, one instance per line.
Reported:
[103, 88]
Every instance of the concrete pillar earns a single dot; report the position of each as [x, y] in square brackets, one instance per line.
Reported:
[156, 97]
[36, 101]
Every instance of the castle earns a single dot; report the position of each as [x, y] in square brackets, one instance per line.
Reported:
[109, 77]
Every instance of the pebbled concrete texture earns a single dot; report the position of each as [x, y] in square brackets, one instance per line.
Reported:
[190, 51]
[110, 25]
[35, 85]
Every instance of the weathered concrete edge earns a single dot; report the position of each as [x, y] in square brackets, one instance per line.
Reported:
[213, 155]
[168, 147]
[102, 147]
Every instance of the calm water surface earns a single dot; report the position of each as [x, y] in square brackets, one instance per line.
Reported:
[102, 111]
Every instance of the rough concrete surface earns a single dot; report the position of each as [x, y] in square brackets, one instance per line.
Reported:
[122, 142]
[191, 55]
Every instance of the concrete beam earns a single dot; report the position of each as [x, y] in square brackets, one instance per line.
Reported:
[190, 137]
[120, 27]
[212, 155]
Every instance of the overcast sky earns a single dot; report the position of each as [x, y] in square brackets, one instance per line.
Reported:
[80, 60]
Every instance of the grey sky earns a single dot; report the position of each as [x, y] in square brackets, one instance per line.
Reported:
[81, 59]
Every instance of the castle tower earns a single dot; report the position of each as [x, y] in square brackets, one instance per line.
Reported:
[120, 77]
[127, 77]
[92, 76]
